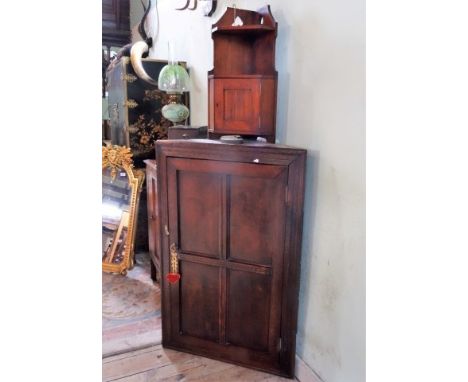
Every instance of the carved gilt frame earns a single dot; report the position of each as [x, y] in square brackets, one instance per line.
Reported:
[120, 158]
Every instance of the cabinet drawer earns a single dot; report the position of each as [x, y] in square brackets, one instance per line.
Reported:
[186, 132]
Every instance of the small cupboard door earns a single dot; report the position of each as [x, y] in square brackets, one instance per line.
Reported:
[236, 105]
[227, 222]
[245, 106]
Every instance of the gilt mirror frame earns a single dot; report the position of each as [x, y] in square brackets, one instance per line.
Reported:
[118, 158]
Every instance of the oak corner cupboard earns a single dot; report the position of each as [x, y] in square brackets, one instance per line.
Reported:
[231, 227]
[242, 85]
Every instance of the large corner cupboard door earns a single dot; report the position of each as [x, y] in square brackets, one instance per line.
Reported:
[227, 223]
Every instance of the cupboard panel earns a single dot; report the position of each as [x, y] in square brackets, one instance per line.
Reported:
[237, 106]
[199, 200]
[257, 211]
[199, 294]
[248, 295]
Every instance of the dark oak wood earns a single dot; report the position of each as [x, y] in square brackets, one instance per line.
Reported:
[153, 219]
[242, 85]
[234, 212]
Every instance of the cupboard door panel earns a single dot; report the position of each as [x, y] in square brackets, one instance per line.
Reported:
[248, 296]
[228, 223]
[257, 212]
[237, 106]
[199, 207]
[199, 294]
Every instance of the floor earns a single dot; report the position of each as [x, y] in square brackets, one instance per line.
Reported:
[132, 337]
[131, 309]
[158, 364]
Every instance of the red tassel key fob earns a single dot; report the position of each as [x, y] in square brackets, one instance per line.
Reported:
[173, 276]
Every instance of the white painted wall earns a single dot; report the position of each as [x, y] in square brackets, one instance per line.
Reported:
[321, 107]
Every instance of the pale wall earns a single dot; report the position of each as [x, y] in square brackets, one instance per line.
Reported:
[321, 107]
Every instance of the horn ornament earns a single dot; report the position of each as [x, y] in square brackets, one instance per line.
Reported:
[136, 53]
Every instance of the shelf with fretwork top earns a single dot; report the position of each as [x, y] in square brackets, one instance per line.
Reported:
[243, 29]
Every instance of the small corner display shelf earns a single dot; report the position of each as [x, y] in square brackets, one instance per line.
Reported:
[242, 85]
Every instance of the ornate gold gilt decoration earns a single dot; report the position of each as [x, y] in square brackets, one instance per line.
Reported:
[116, 157]
[145, 131]
[130, 103]
[129, 78]
[119, 158]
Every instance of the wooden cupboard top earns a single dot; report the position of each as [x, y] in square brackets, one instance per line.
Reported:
[249, 152]
[244, 29]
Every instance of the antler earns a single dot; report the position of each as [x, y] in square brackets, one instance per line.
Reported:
[141, 26]
[194, 6]
[186, 6]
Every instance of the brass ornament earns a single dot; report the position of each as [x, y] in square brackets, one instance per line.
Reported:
[174, 260]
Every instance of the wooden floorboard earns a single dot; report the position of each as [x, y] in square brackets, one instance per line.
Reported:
[158, 364]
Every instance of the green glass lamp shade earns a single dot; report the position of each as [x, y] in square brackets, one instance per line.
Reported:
[173, 79]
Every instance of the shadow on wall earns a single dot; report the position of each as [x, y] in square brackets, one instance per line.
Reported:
[283, 76]
[310, 207]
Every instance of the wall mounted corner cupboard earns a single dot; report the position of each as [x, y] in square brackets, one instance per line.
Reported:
[242, 85]
[232, 215]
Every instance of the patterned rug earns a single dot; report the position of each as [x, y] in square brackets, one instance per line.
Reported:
[131, 309]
